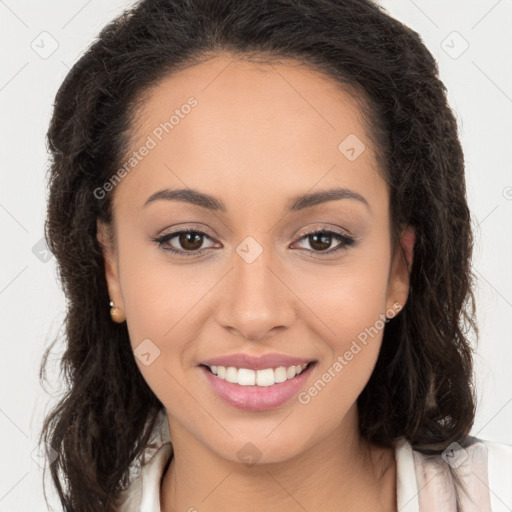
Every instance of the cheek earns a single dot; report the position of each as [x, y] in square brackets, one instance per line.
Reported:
[355, 315]
[157, 294]
[347, 298]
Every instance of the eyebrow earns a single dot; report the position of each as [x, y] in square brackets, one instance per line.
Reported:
[301, 202]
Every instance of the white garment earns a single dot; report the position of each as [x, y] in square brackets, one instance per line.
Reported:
[424, 483]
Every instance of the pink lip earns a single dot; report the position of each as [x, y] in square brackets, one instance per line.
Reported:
[256, 398]
[256, 363]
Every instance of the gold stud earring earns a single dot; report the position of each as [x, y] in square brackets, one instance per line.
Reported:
[116, 313]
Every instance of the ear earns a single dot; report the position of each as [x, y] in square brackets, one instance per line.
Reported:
[398, 285]
[105, 239]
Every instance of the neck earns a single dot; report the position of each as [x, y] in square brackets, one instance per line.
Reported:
[341, 472]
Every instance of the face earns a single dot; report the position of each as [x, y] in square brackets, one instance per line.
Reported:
[250, 277]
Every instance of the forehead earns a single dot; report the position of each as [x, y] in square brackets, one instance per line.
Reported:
[255, 128]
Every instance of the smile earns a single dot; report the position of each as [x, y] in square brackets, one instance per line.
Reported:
[257, 390]
[264, 377]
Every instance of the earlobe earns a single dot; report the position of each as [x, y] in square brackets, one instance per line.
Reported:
[105, 239]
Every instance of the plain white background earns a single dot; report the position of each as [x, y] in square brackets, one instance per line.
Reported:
[41, 41]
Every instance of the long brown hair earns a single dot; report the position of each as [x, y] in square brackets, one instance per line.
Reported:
[421, 387]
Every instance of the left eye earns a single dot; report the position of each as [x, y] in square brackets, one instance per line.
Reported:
[322, 238]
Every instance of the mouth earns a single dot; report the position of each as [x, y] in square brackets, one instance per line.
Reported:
[257, 390]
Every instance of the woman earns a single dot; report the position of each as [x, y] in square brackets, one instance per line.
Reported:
[259, 213]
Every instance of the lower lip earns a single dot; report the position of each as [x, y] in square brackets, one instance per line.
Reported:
[257, 398]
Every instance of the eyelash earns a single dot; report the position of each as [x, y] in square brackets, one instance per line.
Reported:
[345, 239]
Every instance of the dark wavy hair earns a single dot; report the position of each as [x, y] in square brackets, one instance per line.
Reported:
[422, 385]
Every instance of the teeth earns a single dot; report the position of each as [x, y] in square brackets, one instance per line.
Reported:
[245, 377]
[248, 377]
[265, 377]
[232, 375]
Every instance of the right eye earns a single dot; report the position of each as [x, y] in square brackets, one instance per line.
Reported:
[189, 240]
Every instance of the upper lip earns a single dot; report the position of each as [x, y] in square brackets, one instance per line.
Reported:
[256, 363]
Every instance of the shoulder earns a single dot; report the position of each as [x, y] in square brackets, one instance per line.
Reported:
[478, 476]
[143, 490]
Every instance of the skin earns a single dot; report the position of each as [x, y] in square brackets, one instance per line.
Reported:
[259, 136]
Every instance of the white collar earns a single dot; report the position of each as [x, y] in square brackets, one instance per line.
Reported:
[423, 482]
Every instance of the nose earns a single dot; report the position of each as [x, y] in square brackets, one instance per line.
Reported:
[255, 301]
